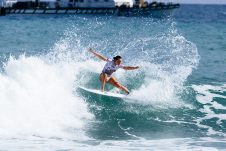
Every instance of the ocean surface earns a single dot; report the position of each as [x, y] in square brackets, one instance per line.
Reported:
[179, 91]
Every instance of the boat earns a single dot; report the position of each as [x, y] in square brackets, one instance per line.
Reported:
[107, 7]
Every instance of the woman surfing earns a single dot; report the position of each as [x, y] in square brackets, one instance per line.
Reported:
[110, 67]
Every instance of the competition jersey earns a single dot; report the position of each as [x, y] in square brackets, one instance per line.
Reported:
[110, 67]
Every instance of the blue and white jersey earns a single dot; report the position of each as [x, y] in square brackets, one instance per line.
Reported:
[110, 67]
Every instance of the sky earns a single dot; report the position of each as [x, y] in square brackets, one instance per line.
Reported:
[202, 1]
[194, 1]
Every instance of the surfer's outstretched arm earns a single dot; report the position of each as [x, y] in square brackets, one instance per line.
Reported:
[101, 57]
[130, 67]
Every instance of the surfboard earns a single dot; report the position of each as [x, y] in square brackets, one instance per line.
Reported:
[109, 94]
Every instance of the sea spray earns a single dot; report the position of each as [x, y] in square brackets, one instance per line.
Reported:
[165, 58]
[37, 98]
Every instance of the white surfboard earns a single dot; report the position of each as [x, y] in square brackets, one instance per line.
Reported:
[110, 94]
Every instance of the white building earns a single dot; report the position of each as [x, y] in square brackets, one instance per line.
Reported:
[94, 3]
[84, 3]
[7, 3]
[124, 2]
[75, 3]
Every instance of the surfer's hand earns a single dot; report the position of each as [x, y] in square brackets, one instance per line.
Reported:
[136, 67]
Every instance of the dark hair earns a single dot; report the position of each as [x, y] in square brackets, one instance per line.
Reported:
[117, 58]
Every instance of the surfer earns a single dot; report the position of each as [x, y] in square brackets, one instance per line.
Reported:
[111, 66]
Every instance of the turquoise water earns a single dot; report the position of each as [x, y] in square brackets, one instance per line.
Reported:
[178, 93]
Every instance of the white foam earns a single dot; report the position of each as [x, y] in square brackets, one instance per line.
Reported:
[159, 88]
[205, 95]
[36, 98]
[180, 144]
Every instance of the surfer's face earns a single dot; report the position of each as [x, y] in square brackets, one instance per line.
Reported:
[118, 62]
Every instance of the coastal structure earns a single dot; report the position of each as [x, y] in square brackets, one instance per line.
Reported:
[119, 8]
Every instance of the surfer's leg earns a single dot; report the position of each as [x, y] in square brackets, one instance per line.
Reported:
[115, 83]
[103, 79]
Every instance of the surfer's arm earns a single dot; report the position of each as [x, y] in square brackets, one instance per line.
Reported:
[129, 67]
[101, 57]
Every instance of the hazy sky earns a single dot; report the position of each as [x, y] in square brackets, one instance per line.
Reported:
[202, 1]
[193, 1]
[184, 1]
